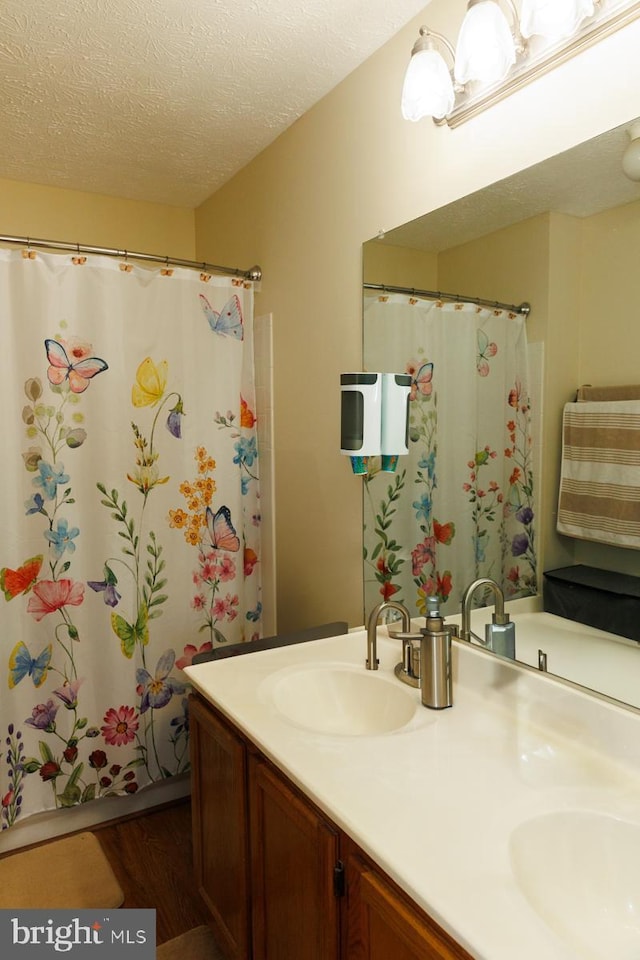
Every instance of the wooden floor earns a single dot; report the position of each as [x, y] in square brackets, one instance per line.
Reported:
[151, 856]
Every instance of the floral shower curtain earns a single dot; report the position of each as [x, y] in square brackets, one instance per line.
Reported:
[461, 504]
[129, 531]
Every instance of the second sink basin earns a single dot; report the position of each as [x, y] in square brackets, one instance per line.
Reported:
[342, 699]
[580, 871]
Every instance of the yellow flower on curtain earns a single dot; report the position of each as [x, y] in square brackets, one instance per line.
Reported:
[151, 382]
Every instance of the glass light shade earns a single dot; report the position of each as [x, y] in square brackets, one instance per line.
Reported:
[428, 88]
[486, 48]
[553, 19]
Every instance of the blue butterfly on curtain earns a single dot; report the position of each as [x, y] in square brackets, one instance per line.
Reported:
[22, 664]
[228, 322]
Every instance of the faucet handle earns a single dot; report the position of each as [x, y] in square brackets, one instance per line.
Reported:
[408, 670]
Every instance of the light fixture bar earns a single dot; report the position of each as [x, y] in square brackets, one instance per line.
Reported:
[523, 74]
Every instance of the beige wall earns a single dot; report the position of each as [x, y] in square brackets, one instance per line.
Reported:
[348, 169]
[383, 263]
[610, 297]
[49, 213]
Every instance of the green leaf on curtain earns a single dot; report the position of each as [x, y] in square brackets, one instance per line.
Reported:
[155, 566]
[89, 793]
[45, 752]
[75, 774]
[161, 598]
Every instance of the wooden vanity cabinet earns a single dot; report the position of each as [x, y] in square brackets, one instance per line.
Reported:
[281, 880]
[220, 812]
[294, 850]
[382, 923]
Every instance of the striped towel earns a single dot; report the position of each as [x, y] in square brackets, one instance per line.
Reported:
[600, 472]
[628, 391]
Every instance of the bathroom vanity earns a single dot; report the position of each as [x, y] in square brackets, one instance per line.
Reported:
[280, 878]
[336, 817]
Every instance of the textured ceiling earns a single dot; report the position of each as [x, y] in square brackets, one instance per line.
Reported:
[164, 100]
[579, 182]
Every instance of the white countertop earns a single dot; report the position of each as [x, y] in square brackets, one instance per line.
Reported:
[435, 802]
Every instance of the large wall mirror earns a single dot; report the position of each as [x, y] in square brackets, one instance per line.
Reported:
[565, 236]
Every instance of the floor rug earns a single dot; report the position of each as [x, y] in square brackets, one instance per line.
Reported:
[196, 944]
[72, 873]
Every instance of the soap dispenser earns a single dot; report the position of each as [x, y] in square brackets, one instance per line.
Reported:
[436, 685]
[396, 388]
[360, 417]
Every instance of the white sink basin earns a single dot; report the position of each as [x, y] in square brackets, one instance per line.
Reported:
[342, 699]
[580, 871]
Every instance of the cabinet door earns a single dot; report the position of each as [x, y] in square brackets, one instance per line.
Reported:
[294, 851]
[382, 925]
[220, 835]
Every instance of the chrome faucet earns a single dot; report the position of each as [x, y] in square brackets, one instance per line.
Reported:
[372, 637]
[500, 634]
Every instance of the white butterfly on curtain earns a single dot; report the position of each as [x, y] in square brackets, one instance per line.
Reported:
[228, 322]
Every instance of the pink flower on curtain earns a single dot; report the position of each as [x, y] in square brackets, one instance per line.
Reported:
[189, 653]
[120, 726]
[215, 537]
[52, 595]
[422, 554]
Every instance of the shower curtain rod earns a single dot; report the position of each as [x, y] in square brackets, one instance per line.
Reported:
[253, 273]
[524, 308]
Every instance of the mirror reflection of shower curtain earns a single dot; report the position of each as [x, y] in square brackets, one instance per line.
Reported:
[129, 532]
[461, 504]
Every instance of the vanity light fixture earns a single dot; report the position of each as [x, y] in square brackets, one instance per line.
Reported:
[428, 84]
[497, 55]
[554, 19]
[631, 156]
[487, 44]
